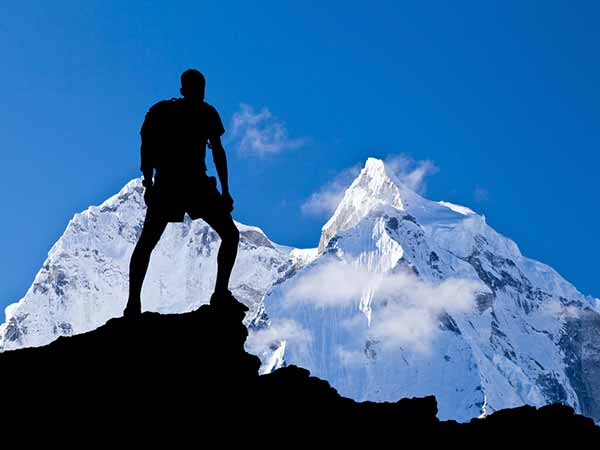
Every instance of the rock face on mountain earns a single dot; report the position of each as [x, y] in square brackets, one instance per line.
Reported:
[404, 297]
[188, 376]
[410, 297]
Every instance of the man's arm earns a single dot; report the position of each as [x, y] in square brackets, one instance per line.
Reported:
[147, 150]
[148, 172]
[147, 157]
[220, 160]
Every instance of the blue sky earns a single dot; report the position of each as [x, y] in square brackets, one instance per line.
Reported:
[496, 102]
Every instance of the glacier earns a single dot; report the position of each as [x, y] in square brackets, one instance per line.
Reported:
[402, 297]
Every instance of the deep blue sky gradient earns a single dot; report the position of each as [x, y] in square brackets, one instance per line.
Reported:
[502, 96]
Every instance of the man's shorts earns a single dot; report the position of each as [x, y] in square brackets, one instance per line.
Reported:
[198, 196]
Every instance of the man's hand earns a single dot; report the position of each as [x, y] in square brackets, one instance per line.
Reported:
[221, 165]
[228, 200]
[148, 193]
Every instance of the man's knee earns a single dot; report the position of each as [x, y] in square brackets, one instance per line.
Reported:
[151, 234]
[147, 242]
[231, 235]
[235, 235]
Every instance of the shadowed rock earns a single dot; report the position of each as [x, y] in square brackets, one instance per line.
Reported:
[184, 372]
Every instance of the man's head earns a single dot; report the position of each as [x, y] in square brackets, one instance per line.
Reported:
[192, 84]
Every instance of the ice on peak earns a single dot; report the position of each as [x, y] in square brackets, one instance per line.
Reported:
[374, 165]
[458, 208]
[378, 177]
[374, 188]
[132, 188]
[242, 227]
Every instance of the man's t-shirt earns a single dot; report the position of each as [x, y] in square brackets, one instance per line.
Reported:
[174, 137]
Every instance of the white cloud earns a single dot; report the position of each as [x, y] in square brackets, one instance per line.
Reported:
[409, 171]
[260, 132]
[412, 318]
[555, 309]
[406, 310]
[260, 341]
[328, 285]
[324, 201]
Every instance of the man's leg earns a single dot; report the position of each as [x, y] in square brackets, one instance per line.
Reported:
[140, 258]
[224, 226]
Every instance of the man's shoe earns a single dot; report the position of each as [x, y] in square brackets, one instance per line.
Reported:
[226, 300]
[133, 310]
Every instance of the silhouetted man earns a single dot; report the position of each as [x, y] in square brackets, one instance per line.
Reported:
[174, 137]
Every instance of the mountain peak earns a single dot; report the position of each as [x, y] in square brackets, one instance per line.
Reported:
[374, 165]
[372, 189]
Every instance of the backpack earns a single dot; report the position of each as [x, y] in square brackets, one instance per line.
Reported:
[155, 133]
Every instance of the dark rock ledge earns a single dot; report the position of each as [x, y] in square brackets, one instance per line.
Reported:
[188, 375]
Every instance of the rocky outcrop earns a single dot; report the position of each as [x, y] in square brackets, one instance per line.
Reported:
[183, 373]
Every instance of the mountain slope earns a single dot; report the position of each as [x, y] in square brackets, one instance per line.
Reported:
[404, 297]
[84, 281]
[410, 297]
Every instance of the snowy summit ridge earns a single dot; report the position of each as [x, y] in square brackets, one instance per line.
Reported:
[403, 297]
[372, 189]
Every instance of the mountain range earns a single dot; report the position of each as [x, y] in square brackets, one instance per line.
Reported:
[402, 297]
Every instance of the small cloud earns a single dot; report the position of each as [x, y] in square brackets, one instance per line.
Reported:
[263, 340]
[261, 133]
[556, 309]
[327, 285]
[324, 201]
[406, 310]
[412, 319]
[411, 172]
[480, 194]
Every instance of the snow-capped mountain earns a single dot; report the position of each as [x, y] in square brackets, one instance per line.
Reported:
[84, 281]
[402, 297]
[410, 297]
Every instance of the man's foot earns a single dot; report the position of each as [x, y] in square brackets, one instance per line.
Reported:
[133, 309]
[226, 301]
